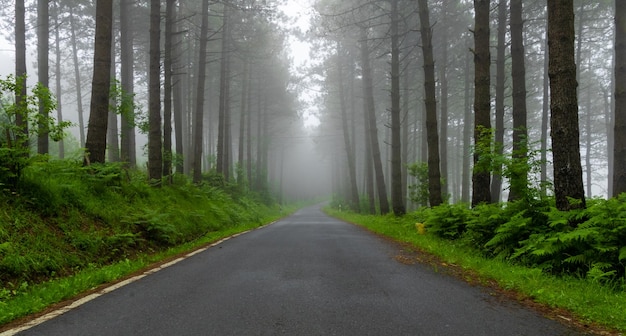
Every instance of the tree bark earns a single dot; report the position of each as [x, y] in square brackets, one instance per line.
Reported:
[113, 145]
[397, 194]
[178, 101]
[434, 174]
[155, 145]
[609, 120]
[373, 131]
[496, 181]
[127, 148]
[241, 178]
[199, 110]
[545, 119]
[249, 134]
[368, 161]
[170, 17]
[43, 48]
[588, 175]
[619, 149]
[405, 136]
[443, 106]
[77, 79]
[481, 179]
[519, 170]
[353, 189]
[95, 143]
[467, 133]
[568, 182]
[21, 118]
[58, 87]
[223, 140]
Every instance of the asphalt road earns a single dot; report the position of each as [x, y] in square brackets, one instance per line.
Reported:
[305, 275]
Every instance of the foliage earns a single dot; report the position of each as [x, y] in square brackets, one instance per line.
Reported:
[92, 216]
[532, 232]
[590, 242]
[588, 299]
[418, 192]
[447, 221]
[14, 143]
[484, 149]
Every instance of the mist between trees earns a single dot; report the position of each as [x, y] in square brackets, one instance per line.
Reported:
[418, 102]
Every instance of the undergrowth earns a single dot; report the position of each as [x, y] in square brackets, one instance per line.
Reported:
[572, 260]
[62, 219]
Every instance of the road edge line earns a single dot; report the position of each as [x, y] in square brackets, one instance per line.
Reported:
[108, 289]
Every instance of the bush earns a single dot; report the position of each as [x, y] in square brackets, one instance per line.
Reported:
[590, 242]
[482, 225]
[524, 218]
[448, 221]
[66, 217]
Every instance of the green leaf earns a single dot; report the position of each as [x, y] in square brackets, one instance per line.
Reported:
[622, 254]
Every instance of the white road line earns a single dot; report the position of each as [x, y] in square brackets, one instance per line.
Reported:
[113, 287]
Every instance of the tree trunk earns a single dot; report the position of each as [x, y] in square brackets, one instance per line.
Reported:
[568, 182]
[467, 133]
[58, 87]
[443, 106]
[21, 118]
[519, 170]
[223, 140]
[199, 114]
[77, 79]
[496, 182]
[259, 178]
[397, 193]
[43, 48]
[434, 174]
[127, 121]
[405, 136]
[99, 109]
[619, 152]
[113, 145]
[545, 119]
[588, 144]
[177, 96]
[609, 119]
[481, 179]
[353, 189]
[368, 162]
[170, 17]
[373, 131]
[155, 146]
[249, 134]
[241, 179]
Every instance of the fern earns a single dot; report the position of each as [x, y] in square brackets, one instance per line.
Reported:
[622, 254]
[579, 259]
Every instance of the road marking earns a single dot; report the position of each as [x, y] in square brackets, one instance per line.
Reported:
[108, 289]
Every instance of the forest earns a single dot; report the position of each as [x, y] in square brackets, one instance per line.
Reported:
[499, 124]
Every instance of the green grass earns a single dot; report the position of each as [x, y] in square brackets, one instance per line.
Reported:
[589, 301]
[67, 229]
[36, 298]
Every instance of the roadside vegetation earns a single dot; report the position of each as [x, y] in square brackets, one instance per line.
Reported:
[66, 228]
[571, 260]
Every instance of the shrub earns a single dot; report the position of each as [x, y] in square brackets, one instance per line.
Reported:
[448, 221]
[153, 225]
[481, 226]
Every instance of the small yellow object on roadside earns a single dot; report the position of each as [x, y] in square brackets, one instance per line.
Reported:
[421, 228]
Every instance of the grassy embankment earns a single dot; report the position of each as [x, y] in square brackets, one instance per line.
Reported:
[66, 229]
[583, 300]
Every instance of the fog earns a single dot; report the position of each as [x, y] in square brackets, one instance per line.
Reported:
[296, 92]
